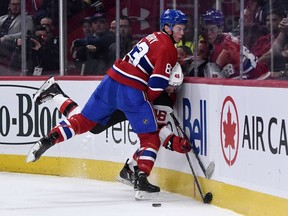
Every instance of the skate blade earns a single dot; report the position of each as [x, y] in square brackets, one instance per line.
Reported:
[31, 155]
[144, 195]
[45, 85]
[124, 181]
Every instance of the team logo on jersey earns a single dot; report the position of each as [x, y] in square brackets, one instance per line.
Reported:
[229, 130]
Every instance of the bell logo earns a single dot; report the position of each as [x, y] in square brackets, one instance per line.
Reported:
[229, 130]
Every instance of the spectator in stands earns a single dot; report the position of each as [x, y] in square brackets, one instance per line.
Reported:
[42, 54]
[248, 20]
[252, 28]
[86, 25]
[184, 53]
[10, 28]
[252, 32]
[278, 54]
[195, 65]
[263, 44]
[113, 26]
[94, 50]
[188, 38]
[248, 16]
[224, 51]
[255, 11]
[267, 6]
[48, 23]
[126, 40]
[10, 24]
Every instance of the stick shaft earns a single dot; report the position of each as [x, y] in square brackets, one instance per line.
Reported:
[187, 138]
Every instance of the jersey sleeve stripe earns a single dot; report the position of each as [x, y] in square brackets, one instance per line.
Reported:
[157, 82]
[145, 65]
[160, 76]
[123, 73]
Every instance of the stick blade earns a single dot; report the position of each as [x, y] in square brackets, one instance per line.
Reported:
[210, 170]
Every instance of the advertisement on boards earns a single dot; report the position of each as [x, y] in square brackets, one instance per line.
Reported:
[244, 133]
[23, 122]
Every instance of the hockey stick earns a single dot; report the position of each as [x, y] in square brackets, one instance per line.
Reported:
[210, 169]
[207, 198]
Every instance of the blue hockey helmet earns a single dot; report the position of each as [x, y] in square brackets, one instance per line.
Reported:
[172, 17]
[212, 17]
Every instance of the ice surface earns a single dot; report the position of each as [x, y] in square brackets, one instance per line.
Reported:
[29, 195]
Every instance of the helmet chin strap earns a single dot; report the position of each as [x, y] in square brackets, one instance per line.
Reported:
[170, 35]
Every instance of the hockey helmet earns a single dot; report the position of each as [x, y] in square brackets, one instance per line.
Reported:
[212, 17]
[172, 17]
[176, 76]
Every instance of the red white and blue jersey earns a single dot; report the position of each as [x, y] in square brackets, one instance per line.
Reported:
[148, 65]
[226, 51]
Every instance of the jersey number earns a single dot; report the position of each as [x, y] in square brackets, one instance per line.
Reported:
[161, 115]
[138, 52]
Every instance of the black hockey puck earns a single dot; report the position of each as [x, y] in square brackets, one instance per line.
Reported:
[208, 197]
[156, 204]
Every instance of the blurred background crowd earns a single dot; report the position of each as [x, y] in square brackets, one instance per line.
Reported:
[238, 39]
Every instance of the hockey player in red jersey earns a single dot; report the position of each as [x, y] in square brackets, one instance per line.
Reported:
[224, 52]
[131, 86]
[163, 105]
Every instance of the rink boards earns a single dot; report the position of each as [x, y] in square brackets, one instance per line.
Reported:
[239, 125]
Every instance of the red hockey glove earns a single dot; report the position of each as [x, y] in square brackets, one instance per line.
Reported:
[177, 143]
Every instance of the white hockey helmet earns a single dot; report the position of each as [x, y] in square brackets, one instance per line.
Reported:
[176, 76]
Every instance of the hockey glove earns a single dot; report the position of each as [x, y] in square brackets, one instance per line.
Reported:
[177, 143]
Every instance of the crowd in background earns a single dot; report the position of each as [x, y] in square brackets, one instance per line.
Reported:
[218, 53]
[92, 49]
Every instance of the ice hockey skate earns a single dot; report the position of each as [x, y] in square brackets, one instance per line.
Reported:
[47, 91]
[40, 147]
[126, 175]
[143, 189]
